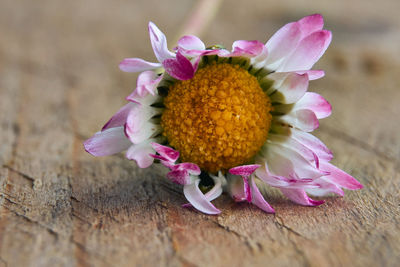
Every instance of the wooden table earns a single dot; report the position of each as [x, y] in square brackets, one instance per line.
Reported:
[59, 82]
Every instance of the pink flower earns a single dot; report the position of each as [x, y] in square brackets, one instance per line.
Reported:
[236, 118]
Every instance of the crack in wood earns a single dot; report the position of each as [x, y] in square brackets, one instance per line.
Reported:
[24, 175]
[26, 218]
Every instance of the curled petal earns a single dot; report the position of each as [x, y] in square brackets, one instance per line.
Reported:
[215, 192]
[315, 103]
[146, 83]
[119, 119]
[258, 198]
[159, 43]
[198, 199]
[300, 197]
[141, 154]
[180, 67]
[107, 142]
[166, 152]
[137, 65]
[236, 188]
[191, 42]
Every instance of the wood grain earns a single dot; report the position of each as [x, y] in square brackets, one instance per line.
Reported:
[59, 82]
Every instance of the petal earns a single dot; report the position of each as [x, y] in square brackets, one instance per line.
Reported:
[290, 87]
[312, 74]
[146, 83]
[180, 68]
[315, 103]
[245, 170]
[159, 43]
[324, 188]
[312, 143]
[236, 188]
[141, 154]
[179, 177]
[146, 131]
[258, 198]
[165, 151]
[287, 162]
[299, 196]
[137, 65]
[191, 42]
[107, 142]
[145, 100]
[302, 119]
[309, 50]
[282, 43]
[244, 48]
[340, 178]
[311, 24]
[119, 119]
[198, 199]
[189, 167]
[215, 192]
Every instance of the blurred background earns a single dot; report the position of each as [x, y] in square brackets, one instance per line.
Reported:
[60, 82]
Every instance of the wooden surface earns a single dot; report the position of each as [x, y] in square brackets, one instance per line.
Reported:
[59, 82]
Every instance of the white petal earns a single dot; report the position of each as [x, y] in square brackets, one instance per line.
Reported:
[198, 199]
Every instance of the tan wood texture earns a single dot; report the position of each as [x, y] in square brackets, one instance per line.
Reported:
[59, 82]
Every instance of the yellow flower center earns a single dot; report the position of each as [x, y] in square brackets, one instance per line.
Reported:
[219, 119]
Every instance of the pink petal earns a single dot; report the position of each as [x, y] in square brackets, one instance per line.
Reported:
[107, 142]
[244, 48]
[312, 74]
[165, 151]
[258, 198]
[340, 178]
[299, 196]
[293, 87]
[311, 24]
[159, 43]
[309, 50]
[283, 42]
[137, 65]
[141, 154]
[236, 188]
[281, 181]
[246, 189]
[316, 103]
[312, 143]
[119, 119]
[303, 119]
[191, 42]
[198, 199]
[189, 167]
[179, 177]
[245, 170]
[146, 83]
[180, 68]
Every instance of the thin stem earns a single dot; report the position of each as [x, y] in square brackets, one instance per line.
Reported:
[199, 18]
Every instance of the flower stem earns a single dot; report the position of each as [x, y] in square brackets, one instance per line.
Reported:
[199, 18]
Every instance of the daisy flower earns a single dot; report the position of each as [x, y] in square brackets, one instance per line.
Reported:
[228, 120]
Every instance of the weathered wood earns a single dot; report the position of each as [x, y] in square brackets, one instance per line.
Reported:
[59, 83]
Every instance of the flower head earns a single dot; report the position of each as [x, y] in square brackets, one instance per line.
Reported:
[221, 120]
